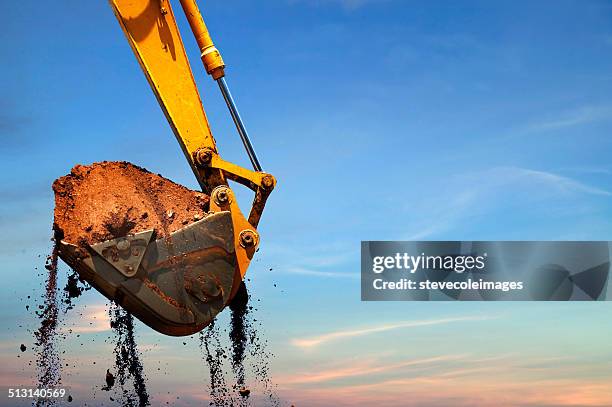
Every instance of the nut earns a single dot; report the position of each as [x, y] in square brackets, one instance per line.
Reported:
[202, 156]
[248, 238]
[123, 244]
[222, 196]
[267, 181]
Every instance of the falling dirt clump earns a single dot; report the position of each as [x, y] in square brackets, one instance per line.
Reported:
[73, 289]
[110, 380]
[111, 199]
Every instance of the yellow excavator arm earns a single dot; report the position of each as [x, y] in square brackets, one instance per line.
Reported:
[176, 281]
[151, 29]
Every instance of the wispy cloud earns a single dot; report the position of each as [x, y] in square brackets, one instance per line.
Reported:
[443, 214]
[314, 341]
[466, 381]
[572, 118]
[318, 273]
[318, 261]
[476, 193]
[364, 368]
[560, 182]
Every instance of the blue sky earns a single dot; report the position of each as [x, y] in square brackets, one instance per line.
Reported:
[381, 120]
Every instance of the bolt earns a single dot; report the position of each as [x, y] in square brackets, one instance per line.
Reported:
[211, 289]
[164, 11]
[135, 252]
[123, 244]
[202, 156]
[267, 181]
[129, 269]
[222, 196]
[247, 238]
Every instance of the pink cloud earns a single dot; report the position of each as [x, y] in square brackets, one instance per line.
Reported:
[314, 341]
[362, 368]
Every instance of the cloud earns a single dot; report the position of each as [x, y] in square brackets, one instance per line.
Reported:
[314, 341]
[319, 261]
[364, 368]
[317, 273]
[94, 319]
[576, 117]
[477, 193]
[559, 182]
[459, 381]
[444, 214]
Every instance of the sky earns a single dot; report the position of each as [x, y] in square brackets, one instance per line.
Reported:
[382, 120]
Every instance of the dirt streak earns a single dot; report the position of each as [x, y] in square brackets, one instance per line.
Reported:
[214, 355]
[247, 354]
[127, 360]
[48, 362]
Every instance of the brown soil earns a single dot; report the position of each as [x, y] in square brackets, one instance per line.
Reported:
[110, 199]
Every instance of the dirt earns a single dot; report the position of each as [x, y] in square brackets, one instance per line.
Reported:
[159, 292]
[110, 199]
[48, 362]
[238, 334]
[248, 356]
[214, 355]
[73, 289]
[128, 370]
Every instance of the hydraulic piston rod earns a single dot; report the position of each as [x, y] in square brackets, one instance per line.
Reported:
[239, 123]
[214, 65]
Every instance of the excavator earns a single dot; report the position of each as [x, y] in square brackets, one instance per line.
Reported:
[219, 247]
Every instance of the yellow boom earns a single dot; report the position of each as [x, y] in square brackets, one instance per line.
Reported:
[152, 32]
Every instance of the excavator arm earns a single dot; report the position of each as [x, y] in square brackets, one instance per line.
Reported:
[177, 284]
[151, 29]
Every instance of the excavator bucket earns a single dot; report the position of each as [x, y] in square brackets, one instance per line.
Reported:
[166, 254]
[172, 257]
